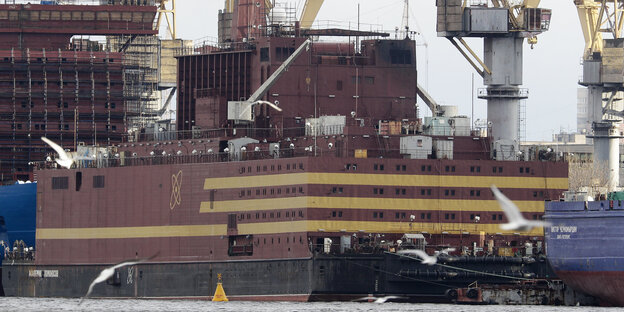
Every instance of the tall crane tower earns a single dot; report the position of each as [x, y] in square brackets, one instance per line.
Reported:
[503, 26]
[603, 75]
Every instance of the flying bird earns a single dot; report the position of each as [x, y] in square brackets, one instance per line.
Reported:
[108, 273]
[275, 107]
[63, 158]
[516, 221]
[426, 259]
[378, 299]
[446, 250]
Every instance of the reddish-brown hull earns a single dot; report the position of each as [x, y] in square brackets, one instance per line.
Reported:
[195, 212]
[607, 286]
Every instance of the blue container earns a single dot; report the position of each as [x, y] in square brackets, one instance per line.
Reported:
[18, 210]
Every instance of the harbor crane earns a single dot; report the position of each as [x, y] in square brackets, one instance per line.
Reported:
[241, 111]
[503, 26]
[309, 13]
[603, 75]
[164, 10]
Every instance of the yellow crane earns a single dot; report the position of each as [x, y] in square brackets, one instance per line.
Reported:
[598, 17]
[516, 12]
[309, 13]
[163, 10]
[517, 23]
[503, 26]
[603, 68]
[603, 61]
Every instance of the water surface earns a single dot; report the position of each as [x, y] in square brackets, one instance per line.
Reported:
[61, 304]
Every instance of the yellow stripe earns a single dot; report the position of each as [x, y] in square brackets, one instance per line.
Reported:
[133, 232]
[384, 180]
[255, 181]
[255, 204]
[375, 227]
[273, 228]
[286, 203]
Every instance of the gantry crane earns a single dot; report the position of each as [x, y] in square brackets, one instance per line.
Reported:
[163, 10]
[242, 111]
[603, 75]
[503, 26]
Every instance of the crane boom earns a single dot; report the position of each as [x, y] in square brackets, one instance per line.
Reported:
[590, 15]
[310, 10]
[264, 88]
[433, 105]
[164, 11]
[241, 110]
[229, 6]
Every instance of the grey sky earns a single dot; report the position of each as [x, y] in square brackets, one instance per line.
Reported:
[551, 69]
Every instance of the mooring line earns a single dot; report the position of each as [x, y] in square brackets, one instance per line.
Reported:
[466, 270]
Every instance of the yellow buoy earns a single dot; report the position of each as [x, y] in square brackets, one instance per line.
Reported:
[219, 294]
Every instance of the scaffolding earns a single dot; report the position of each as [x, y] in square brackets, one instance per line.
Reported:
[67, 96]
[56, 83]
[522, 121]
[141, 78]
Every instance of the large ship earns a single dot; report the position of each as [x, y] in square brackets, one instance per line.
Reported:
[298, 170]
[583, 246]
[583, 241]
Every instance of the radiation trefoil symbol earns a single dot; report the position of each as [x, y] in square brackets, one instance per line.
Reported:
[176, 186]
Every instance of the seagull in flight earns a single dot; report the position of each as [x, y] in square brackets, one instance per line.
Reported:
[275, 107]
[516, 221]
[64, 160]
[108, 273]
[426, 259]
[378, 299]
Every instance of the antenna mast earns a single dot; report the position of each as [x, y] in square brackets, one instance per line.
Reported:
[405, 20]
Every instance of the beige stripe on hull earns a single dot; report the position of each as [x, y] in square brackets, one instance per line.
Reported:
[381, 204]
[399, 180]
[271, 228]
